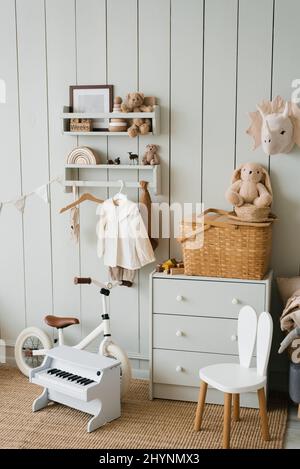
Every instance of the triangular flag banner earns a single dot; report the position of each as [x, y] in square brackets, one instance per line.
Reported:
[42, 192]
[20, 203]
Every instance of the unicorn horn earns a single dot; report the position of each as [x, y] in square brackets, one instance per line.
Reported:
[268, 127]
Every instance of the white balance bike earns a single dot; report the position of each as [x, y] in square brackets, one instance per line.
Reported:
[32, 343]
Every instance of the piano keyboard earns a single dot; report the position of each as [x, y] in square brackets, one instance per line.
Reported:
[70, 377]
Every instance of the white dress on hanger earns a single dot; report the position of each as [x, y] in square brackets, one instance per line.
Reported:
[122, 237]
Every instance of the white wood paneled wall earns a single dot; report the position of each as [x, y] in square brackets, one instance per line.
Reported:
[208, 61]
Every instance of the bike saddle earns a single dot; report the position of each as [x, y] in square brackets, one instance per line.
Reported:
[60, 322]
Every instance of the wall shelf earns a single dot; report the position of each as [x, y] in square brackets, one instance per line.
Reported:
[73, 176]
[67, 115]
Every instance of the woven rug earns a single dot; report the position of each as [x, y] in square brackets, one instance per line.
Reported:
[144, 424]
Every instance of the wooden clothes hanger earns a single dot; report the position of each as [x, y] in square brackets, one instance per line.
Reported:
[82, 198]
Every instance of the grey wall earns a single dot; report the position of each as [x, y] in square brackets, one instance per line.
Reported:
[208, 62]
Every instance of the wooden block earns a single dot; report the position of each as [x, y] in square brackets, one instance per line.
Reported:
[177, 271]
[149, 101]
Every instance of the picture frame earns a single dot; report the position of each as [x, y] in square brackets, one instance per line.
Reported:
[92, 99]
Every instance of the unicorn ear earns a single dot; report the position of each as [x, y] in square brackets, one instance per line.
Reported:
[285, 113]
[236, 176]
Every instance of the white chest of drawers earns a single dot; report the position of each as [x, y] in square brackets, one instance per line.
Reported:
[193, 324]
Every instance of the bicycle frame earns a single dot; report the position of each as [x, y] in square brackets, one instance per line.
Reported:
[104, 327]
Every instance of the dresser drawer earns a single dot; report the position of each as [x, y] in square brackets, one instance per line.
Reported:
[182, 368]
[206, 298]
[210, 335]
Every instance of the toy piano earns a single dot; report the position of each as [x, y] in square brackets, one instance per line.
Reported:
[85, 381]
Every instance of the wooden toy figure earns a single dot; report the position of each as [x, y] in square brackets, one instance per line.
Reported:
[133, 157]
[117, 124]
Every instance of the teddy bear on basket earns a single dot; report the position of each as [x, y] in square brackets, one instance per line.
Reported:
[251, 193]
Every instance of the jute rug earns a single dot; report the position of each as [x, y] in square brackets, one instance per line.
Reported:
[144, 424]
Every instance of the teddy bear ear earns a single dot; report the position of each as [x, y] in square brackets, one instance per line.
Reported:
[127, 96]
[236, 174]
[267, 181]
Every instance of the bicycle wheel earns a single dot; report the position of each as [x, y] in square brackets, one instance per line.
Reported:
[28, 340]
[114, 351]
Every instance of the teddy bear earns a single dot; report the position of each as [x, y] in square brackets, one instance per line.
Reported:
[251, 185]
[150, 156]
[134, 102]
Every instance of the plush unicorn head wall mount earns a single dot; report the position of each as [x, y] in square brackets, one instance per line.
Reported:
[276, 126]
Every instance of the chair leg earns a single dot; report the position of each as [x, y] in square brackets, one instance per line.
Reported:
[236, 407]
[200, 405]
[227, 419]
[263, 414]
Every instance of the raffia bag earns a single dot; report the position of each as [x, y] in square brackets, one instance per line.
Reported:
[217, 246]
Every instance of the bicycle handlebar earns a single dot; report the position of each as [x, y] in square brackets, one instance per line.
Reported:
[78, 280]
[89, 280]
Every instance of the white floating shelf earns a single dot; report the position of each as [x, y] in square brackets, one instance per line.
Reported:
[112, 166]
[66, 116]
[99, 133]
[73, 176]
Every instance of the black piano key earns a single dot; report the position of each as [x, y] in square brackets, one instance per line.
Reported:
[52, 370]
[67, 375]
[63, 375]
[88, 381]
[79, 381]
[70, 377]
[75, 377]
[83, 381]
[58, 373]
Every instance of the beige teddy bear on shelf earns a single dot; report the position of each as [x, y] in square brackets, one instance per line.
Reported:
[250, 184]
[134, 102]
[151, 156]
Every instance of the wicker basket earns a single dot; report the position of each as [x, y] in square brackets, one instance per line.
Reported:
[217, 246]
[81, 125]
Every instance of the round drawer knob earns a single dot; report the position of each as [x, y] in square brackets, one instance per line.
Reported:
[179, 297]
[179, 333]
[179, 369]
[233, 338]
[235, 301]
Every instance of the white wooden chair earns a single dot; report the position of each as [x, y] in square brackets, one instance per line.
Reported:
[234, 379]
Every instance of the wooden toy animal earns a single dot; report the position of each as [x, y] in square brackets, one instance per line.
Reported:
[133, 157]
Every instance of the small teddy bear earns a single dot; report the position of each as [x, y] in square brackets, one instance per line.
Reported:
[134, 103]
[150, 156]
[250, 184]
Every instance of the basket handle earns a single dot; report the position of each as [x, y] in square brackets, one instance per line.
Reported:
[192, 234]
[212, 221]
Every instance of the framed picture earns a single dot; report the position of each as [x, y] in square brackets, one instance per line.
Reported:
[92, 98]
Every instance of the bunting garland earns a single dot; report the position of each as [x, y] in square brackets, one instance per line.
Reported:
[41, 191]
